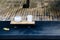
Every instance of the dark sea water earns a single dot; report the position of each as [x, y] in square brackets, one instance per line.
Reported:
[41, 28]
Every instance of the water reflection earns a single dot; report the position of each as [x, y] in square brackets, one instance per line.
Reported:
[42, 27]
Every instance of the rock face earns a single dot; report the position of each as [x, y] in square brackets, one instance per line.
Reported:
[11, 8]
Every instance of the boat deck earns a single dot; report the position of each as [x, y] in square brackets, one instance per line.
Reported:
[24, 22]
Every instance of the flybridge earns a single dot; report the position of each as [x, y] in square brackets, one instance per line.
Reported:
[18, 20]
